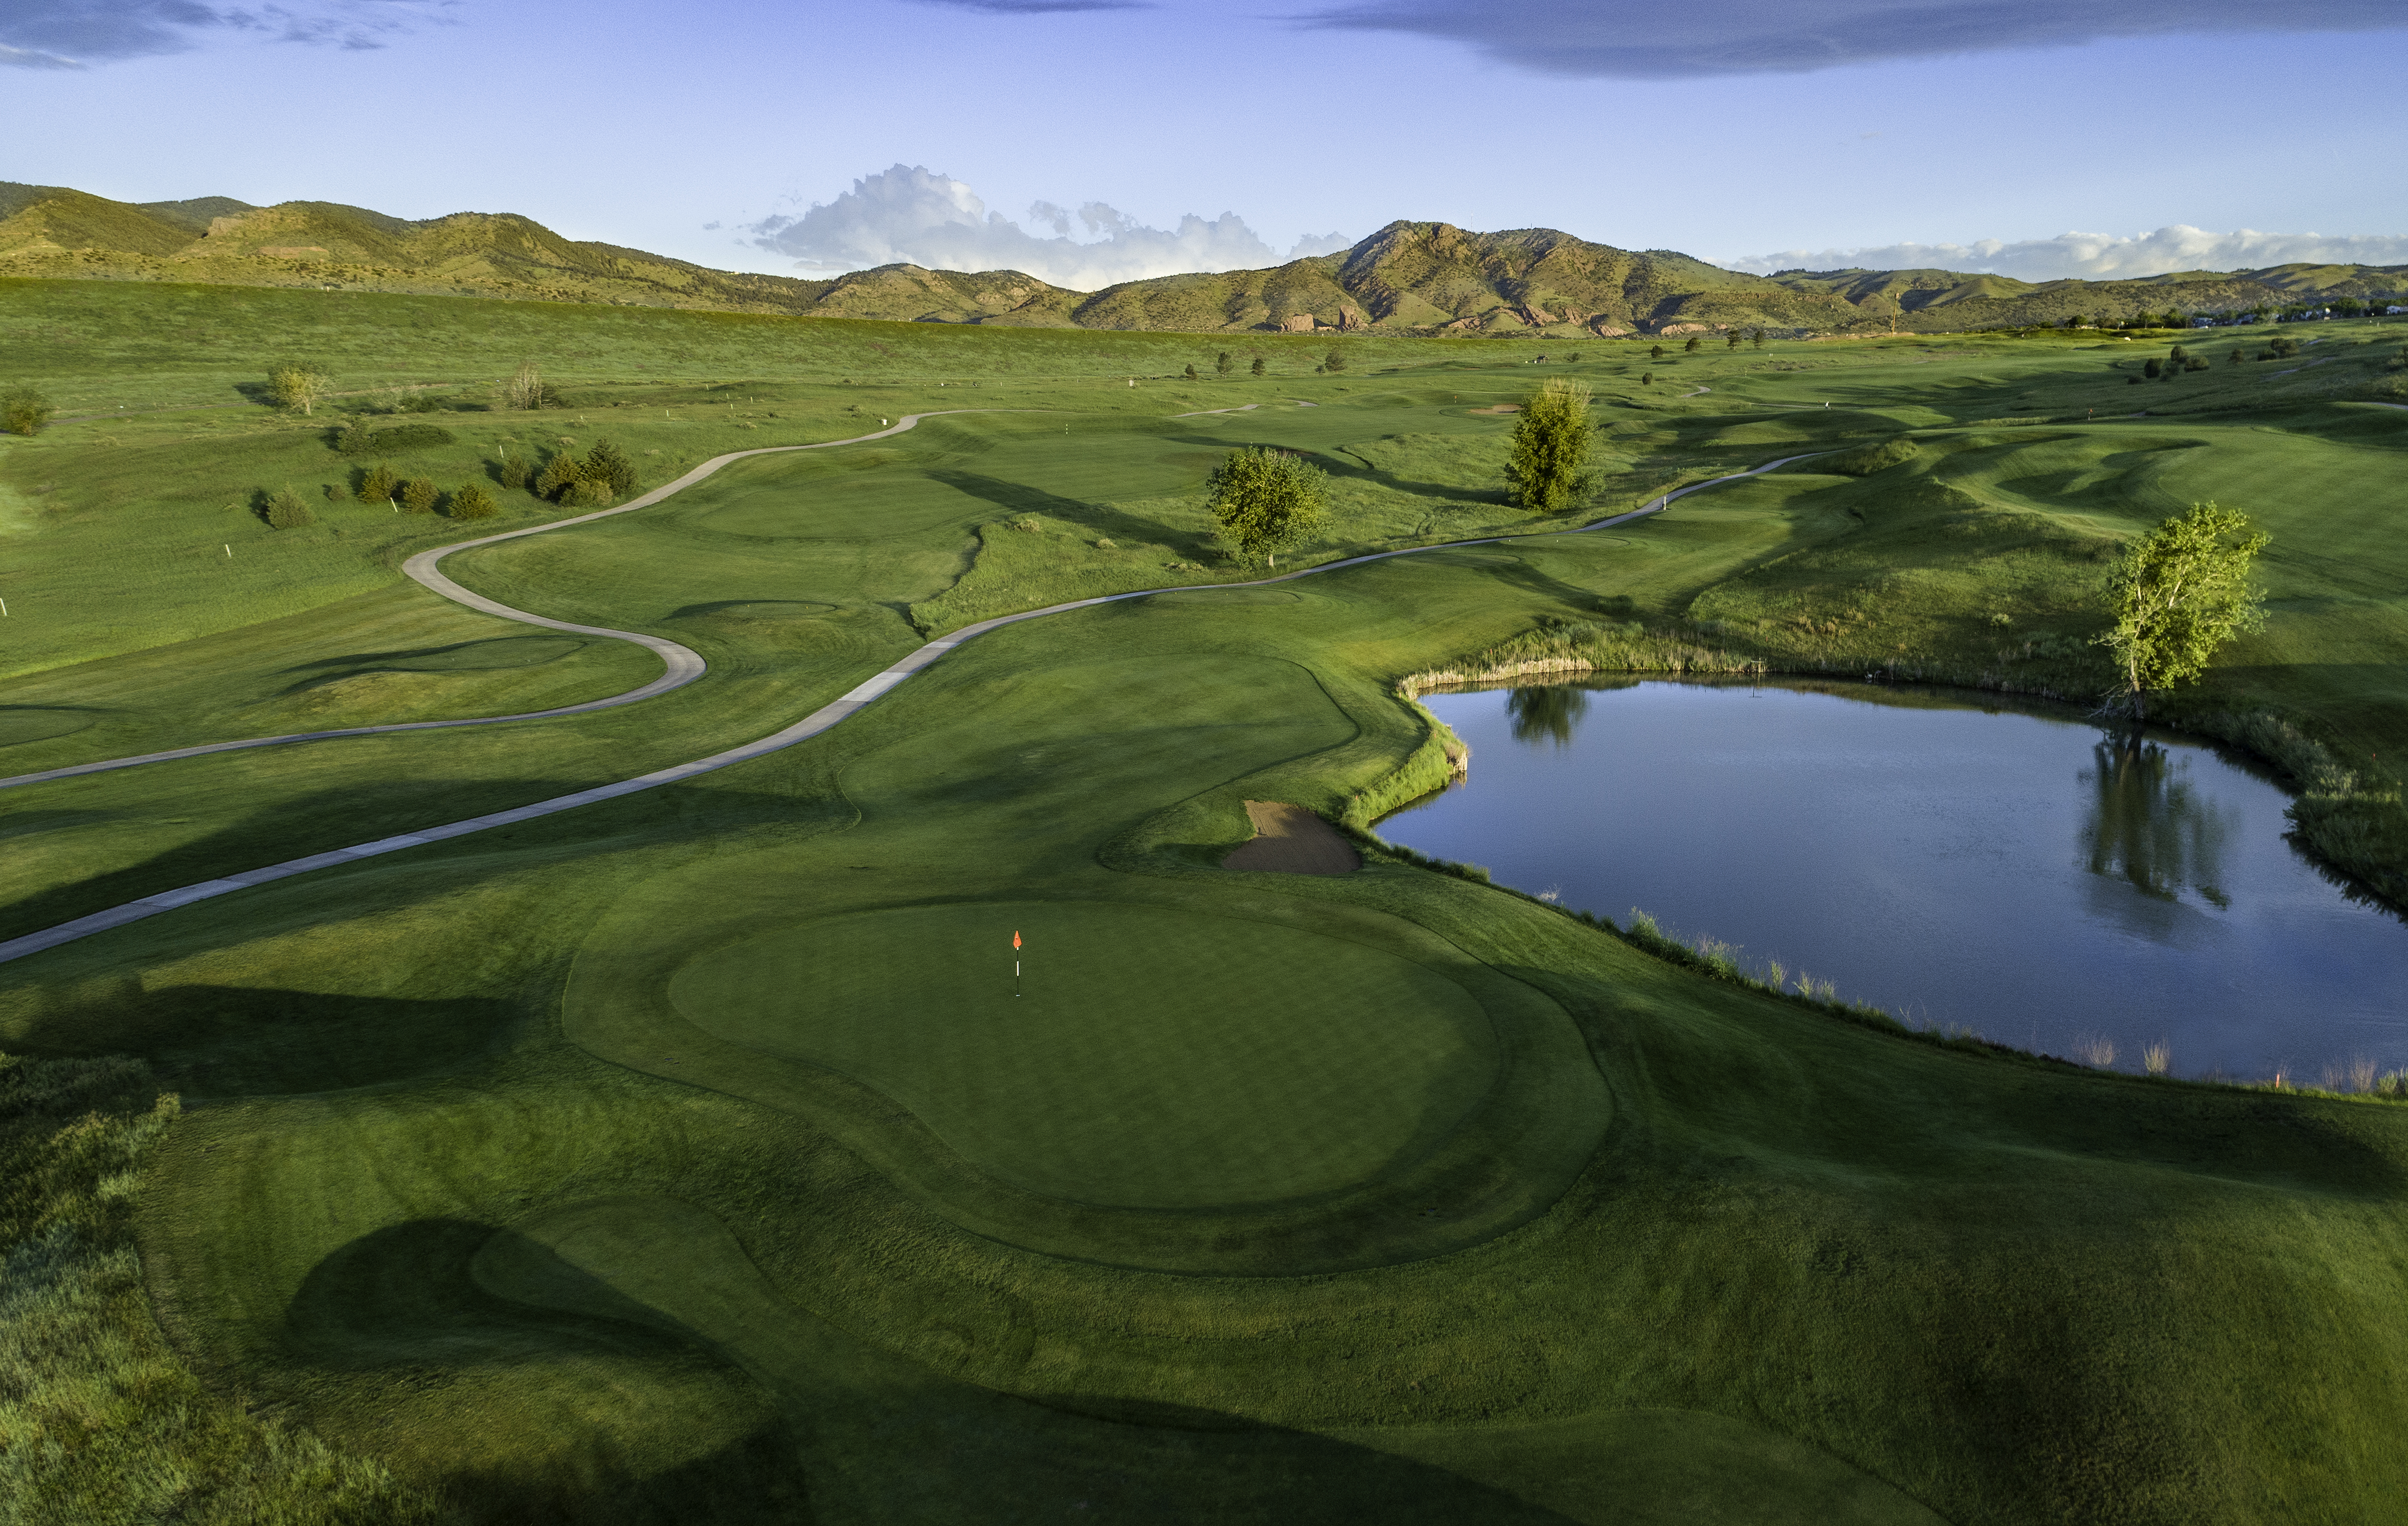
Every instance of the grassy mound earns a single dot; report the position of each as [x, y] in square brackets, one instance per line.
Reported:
[1156, 1060]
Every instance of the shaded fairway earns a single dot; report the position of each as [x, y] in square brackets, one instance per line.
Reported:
[680, 1158]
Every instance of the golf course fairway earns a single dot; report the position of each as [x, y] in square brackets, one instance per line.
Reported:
[687, 1156]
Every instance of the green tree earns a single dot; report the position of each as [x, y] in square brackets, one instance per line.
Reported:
[1544, 471]
[285, 510]
[559, 474]
[610, 465]
[514, 469]
[1225, 364]
[297, 384]
[1266, 500]
[1734, 339]
[1655, 352]
[1756, 339]
[2178, 594]
[22, 410]
[1337, 361]
[1647, 379]
[377, 484]
[1690, 347]
[470, 501]
[1191, 372]
[417, 496]
[1257, 368]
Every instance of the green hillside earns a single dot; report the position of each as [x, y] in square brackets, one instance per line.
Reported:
[1409, 278]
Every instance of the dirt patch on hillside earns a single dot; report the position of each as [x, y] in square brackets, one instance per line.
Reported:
[1290, 840]
[1500, 408]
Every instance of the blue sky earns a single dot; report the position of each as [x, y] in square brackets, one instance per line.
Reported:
[1072, 136]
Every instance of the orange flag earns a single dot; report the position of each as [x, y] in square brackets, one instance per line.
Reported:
[1015, 936]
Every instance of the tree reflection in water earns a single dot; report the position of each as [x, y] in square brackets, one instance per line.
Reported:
[1550, 713]
[2146, 825]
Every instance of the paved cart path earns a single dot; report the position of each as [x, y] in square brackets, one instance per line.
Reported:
[422, 568]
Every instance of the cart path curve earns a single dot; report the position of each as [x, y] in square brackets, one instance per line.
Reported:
[681, 665]
[811, 725]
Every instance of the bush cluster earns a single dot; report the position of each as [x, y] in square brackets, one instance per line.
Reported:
[604, 474]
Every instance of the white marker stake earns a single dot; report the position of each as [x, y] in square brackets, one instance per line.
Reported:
[229, 550]
[3, 610]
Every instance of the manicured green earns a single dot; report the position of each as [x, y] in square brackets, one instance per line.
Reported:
[684, 1157]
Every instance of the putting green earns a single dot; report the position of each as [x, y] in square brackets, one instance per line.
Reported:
[1158, 1059]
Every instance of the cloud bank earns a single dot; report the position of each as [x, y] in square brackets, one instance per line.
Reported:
[907, 215]
[1654, 39]
[78, 33]
[2098, 256]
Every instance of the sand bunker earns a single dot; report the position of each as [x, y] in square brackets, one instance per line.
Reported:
[1290, 840]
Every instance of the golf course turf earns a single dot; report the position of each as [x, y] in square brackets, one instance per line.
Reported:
[687, 1156]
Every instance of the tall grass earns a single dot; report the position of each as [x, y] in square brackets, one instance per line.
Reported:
[99, 1423]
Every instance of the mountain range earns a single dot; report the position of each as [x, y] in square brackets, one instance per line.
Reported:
[1408, 277]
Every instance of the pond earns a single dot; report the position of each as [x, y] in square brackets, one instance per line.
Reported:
[1963, 863]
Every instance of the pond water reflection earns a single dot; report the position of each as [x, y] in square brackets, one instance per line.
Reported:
[2034, 877]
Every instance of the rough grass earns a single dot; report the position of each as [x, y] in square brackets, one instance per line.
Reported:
[99, 1422]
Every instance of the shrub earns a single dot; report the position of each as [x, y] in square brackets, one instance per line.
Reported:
[377, 484]
[22, 410]
[1690, 347]
[469, 502]
[2281, 347]
[418, 497]
[286, 512]
[2195, 363]
[1256, 369]
[1867, 459]
[1190, 374]
[1647, 379]
[559, 474]
[1223, 364]
[514, 471]
[1337, 361]
[2154, 369]
[608, 465]
[527, 389]
[586, 493]
[297, 384]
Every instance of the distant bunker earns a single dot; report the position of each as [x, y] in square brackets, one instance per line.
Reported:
[1290, 840]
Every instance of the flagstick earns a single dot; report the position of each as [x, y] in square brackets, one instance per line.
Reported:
[1015, 977]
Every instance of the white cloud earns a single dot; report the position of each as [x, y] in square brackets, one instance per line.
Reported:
[907, 214]
[1319, 243]
[2099, 256]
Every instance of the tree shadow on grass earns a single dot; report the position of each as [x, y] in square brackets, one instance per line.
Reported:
[1342, 462]
[325, 820]
[229, 1040]
[1020, 498]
